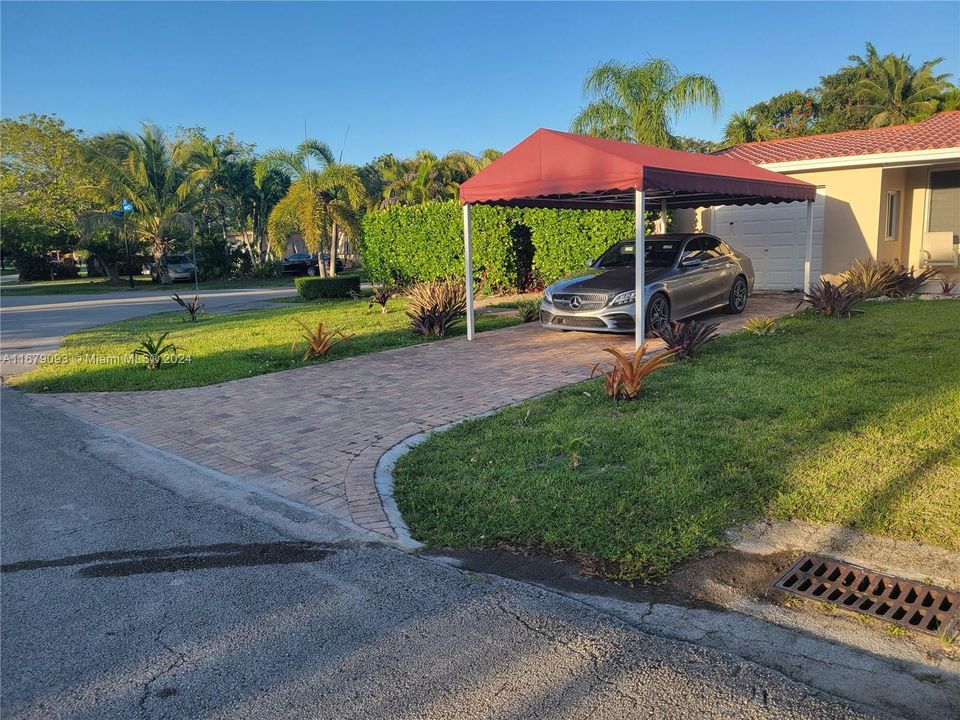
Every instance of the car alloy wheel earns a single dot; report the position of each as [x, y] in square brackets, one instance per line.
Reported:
[311, 271]
[658, 312]
[738, 295]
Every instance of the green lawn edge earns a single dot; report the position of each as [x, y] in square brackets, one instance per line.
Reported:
[853, 422]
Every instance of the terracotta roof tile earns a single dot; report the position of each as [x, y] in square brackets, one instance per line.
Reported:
[938, 132]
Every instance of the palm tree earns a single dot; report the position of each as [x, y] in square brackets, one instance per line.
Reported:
[319, 202]
[745, 127]
[637, 103]
[150, 171]
[894, 92]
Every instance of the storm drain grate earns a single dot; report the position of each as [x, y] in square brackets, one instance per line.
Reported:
[909, 604]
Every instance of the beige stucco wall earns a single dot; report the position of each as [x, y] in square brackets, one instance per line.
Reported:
[851, 211]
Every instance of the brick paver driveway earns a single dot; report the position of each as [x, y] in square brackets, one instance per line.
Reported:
[315, 434]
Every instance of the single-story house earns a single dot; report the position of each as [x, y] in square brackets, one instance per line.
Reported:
[886, 193]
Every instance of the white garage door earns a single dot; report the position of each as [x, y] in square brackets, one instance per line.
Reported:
[774, 237]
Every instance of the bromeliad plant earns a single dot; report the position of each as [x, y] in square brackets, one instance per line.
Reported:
[381, 295]
[193, 307]
[318, 341]
[624, 378]
[434, 306]
[947, 285]
[831, 300]
[154, 350]
[871, 278]
[908, 282]
[686, 338]
[528, 310]
[760, 326]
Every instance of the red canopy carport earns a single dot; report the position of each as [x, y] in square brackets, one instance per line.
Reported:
[561, 170]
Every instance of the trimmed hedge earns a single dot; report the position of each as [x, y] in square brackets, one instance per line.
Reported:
[314, 288]
[424, 242]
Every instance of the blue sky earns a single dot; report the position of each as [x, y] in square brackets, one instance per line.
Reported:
[405, 76]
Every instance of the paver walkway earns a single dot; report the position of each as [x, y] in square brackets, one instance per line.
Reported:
[315, 434]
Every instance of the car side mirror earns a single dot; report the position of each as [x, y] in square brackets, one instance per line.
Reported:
[690, 263]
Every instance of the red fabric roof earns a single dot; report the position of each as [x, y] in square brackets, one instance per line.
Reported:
[557, 169]
[939, 132]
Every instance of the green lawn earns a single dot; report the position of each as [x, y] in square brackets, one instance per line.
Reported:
[852, 422]
[223, 347]
[83, 286]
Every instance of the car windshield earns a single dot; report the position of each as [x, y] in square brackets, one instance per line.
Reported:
[659, 253]
[177, 259]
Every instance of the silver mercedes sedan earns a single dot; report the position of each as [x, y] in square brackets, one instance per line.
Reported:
[685, 274]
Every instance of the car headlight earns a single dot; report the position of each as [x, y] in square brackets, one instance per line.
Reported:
[625, 298]
[548, 295]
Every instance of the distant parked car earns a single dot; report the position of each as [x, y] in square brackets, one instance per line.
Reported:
[685, 274]
[306, 264]
[180, 267]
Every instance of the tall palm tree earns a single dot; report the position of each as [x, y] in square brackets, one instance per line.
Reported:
[150, 171]
[894, 92]
[208, 162]
[319, 203]
[638, 103]
[745, 127]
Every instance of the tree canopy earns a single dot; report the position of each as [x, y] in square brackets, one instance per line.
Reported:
[639, 103]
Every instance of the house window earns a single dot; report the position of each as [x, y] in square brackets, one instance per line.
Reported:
[943, 214]
[893, 215]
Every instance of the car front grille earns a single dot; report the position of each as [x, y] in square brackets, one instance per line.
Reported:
[588, 302]
[575, 321]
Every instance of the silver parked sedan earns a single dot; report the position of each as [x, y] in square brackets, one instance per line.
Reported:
[685, 274]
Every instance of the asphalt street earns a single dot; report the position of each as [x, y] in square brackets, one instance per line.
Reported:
[135, 585]
[33, 325]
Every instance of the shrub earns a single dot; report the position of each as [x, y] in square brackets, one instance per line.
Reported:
[871, 278]
[154, 350]
[517, 248]
[319, 342]
[266, 269]
[947, 285]
[624, 379]
[314, 288]
[528, 310]
[907, 282]
[434, 306]
[193, 307]
[686, 338]
[760, 326]
[831, 300]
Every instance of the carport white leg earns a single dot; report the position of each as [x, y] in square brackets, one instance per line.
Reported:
[640, 254]
[468, 269]
[808, 251]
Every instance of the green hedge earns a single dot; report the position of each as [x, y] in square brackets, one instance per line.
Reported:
[313, 288]
[425, 242]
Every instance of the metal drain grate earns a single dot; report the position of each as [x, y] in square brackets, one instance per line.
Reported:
[909, 604]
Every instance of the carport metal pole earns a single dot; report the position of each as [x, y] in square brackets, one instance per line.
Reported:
[468, 269]
[640, 256]
[808, 252]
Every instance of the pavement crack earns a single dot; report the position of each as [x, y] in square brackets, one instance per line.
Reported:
[178, 660]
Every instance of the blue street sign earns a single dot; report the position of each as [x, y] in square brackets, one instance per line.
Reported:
[117, 213]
